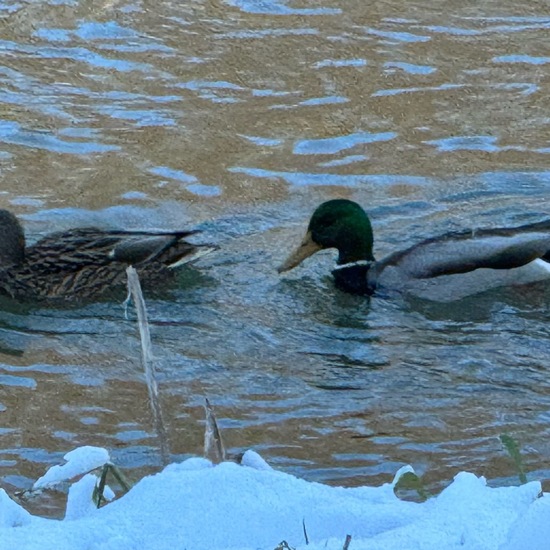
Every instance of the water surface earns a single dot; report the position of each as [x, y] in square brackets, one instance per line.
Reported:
[239, 117]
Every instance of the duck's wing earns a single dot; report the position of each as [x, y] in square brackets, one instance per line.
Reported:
[462, 252]
[75, 249]
[165, 248]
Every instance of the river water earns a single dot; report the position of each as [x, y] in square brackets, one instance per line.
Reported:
[238, 117]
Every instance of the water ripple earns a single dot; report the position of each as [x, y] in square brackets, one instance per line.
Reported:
[398, 36]
[340, 63]
[478, 143]
[331, 146]
[301, 179]
[11, 132]
[327, 100]
[529, 59]
[410, 68]
[278, 7]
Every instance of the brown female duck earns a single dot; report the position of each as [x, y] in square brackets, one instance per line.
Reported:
[85, 263]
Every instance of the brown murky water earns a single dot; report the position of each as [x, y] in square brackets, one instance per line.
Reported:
[239, 117]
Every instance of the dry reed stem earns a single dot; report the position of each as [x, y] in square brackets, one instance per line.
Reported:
[214, 448]
[134, 288]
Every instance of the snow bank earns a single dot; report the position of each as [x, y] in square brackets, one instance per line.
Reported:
[198, 506]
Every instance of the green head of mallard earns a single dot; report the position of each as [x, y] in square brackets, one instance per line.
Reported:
[340, 224]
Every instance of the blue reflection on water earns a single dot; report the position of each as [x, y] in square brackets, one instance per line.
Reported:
[410, 68]
[75, 53]
[264, 142]
[93, 30]
[467, 143]
[171, 173]
[330, 146]
[350, 159]
[327, 100]
[204, 190]
[340, 63]
[52, 35]
[399, 36]
[302, 179]
[517, 58]
[11, 132]
[278, 7]
[488, 144]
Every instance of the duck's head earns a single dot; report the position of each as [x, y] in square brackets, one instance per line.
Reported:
[340, 224]
[12, 240]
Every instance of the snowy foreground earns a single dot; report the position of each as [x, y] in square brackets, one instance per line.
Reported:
[195, 505]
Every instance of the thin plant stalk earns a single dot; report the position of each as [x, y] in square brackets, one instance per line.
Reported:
[511, 445]
[214, 448]
[134, 288]
[100, 488]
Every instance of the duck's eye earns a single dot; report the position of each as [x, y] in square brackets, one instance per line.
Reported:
[326, 221]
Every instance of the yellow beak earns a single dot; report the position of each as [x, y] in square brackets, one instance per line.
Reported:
[307, 248]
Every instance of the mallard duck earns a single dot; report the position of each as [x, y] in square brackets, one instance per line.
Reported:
[442, 268]
[86, 262]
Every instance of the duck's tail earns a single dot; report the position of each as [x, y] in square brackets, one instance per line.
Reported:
[190, 254]
[162, 249]
[543, 265]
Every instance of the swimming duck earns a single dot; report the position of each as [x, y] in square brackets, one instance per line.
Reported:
[443, 268]
[86, 262]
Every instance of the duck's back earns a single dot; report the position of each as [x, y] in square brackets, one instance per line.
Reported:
[85, 263]
[463, 263]
[448, 288]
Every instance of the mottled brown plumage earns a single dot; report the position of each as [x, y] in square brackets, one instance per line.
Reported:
[85, 263]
